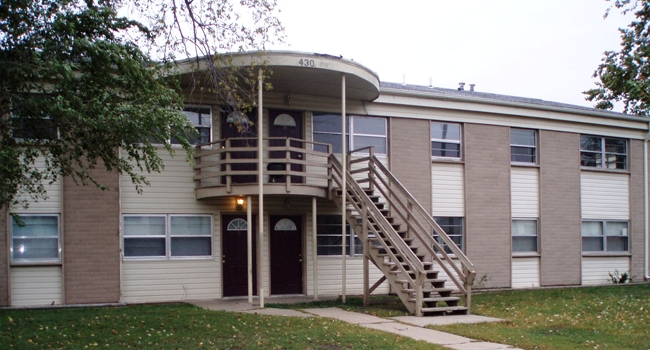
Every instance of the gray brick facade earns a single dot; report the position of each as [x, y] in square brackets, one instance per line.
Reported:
[487, 202]
[560, 213]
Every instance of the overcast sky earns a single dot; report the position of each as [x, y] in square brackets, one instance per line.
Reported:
[542, 49]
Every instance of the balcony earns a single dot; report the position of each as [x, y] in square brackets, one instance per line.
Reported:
[229, 167]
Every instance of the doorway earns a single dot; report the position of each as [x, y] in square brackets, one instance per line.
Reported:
[234, 255]
[286, 254]
[240, 125]
[286, 124]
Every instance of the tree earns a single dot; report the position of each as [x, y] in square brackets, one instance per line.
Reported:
[624, 76]
[83, 86]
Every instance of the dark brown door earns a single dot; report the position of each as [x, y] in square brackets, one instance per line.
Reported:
[286, 255]
[286, 124]
[230, 129]
[234, 258]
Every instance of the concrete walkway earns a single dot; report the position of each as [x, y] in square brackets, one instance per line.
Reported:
[406, 326]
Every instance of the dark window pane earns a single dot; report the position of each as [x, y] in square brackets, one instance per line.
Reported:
[443, 149]
[33, 129]
[524, 244]
[332, 139]
[329, 123]
[522, 154]
[369, 125]
[144, 246]
[616, 146]
[191, 246]
[592, 244]
[615, 161]
[590, 143]
[364, 141]
[590, 159]
[617, 244]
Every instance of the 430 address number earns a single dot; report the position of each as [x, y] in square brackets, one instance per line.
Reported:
[306, 62]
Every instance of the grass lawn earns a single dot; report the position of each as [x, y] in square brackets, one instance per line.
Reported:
[611, 317]
[181, 326]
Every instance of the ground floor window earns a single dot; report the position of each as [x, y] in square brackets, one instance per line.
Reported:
[604, 236]
[329, 239]
[36, 238]
[165, 236]
[524, 236]
[453, 227]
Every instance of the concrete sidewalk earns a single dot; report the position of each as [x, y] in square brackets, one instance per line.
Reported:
[406, 326]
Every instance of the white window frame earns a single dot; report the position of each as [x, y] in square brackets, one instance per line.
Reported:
[351, 133]
[458, 142]
[461, 235]
[351, 239]
[536, 235]
[533, 147]
[604, 237]
[603, 153]
[200, 126]
[40, 260]
[168, 238]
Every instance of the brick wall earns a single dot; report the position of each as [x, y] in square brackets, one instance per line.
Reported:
[637, 224]
[560, 213]
[91, 240]
[487, 202]
[410, 157]
[4, 251]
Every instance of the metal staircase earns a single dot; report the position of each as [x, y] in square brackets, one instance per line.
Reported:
[398, 238]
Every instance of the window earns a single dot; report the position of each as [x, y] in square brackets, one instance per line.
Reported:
[524, 236]
[523, 146]
[453, 227]
[201, 117]
[604, 236]
[445, 140]
[165, 236]
[603, 152]
[33, 128]
[329, 240]
[37, 239]
[364, 131]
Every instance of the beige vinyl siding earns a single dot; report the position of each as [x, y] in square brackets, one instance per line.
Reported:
[329, 277]
[605, 195]
[524, 192]
[36, 286]
[50, 205]
[448, 190]
[173, 280]
[525, 272]
[596, 270]
[171, 191]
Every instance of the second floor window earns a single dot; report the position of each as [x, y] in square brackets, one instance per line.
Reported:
[201, 117]
[603, 152]
[360, 132]
[445, 140]
[523, 146]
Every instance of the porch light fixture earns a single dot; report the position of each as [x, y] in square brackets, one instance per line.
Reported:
[239, 203]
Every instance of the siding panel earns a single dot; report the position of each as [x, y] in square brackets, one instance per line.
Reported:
[34, 286]
[596, 270]
[605, 195]
[525, 272]
[524, 192]
[163, 281]
[329, 277]
[448, 190]
[50, 205]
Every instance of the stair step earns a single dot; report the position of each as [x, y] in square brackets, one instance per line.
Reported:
[431, 280]
[429, 290]
[443, 309]
[436, 299]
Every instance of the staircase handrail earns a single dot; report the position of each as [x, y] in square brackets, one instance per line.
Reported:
[466, 263]
[399, 244]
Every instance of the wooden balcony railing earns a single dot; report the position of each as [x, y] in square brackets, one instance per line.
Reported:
[286, 161]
